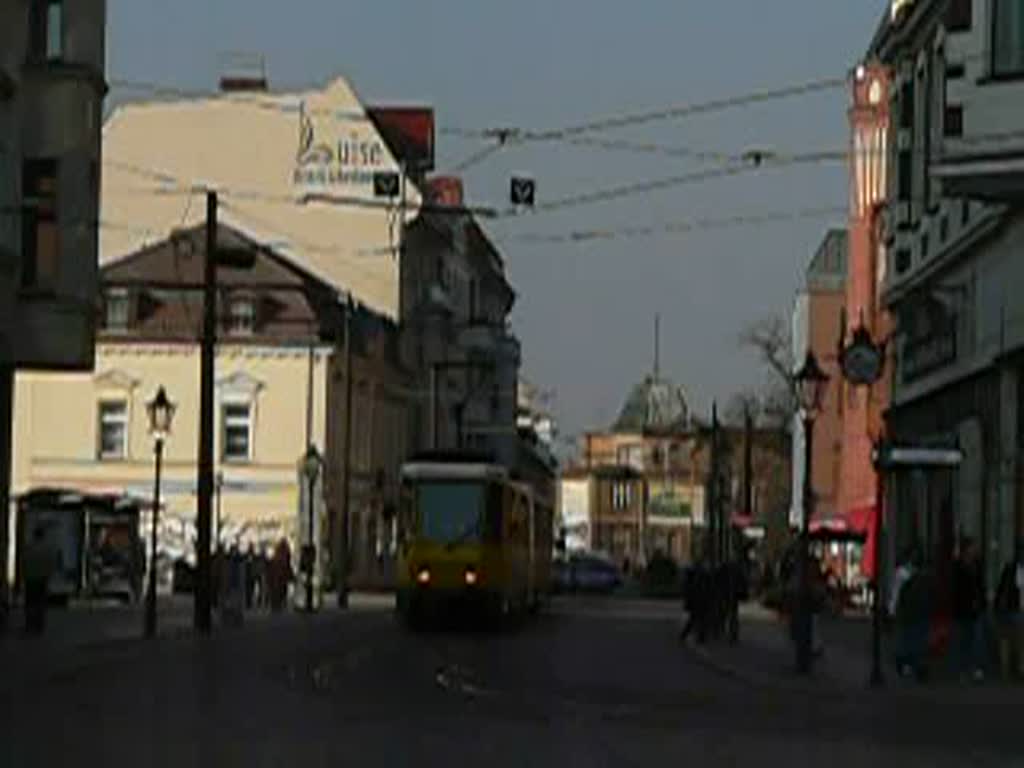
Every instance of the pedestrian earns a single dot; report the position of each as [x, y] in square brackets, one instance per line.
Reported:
[262, 576]
[695, 600]
[913, 618]
[1010, 615]
[235, 587]
[250, 577]
[217, 577]
[968, 608]
[734, 591]
[38, 567]
[281, 569]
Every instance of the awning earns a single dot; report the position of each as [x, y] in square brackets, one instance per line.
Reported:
[858, 525]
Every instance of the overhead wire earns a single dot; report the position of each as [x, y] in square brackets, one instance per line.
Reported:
[670, 227]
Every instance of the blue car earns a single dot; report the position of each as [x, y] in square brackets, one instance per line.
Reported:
[588, 573]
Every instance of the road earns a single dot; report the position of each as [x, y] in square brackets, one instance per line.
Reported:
[592, 683]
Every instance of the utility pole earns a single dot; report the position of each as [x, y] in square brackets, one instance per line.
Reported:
[748, 461]
[346, 470]
[204, 479]
[713, 517]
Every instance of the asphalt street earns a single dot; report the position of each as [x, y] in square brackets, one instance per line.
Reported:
[591, 683]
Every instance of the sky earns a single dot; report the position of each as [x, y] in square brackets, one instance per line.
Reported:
[585, 310]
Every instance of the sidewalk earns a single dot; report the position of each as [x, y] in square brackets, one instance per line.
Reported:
[764, 657]
[85, 634]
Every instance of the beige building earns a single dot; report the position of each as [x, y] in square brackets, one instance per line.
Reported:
[280, 385]
[292, 170]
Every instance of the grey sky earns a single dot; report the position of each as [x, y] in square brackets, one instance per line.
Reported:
[585, 312]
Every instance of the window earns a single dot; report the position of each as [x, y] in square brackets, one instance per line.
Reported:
[902, 260]
[905, 176]
[40, 240]
[241, 316]
[907, 104]
[924, 246]
[117, 308]
[944, 228]
[958, 15]
[622, 495]
[113, 429]
[953, 122]
[236, 442]
[1008, 37]
[46, 30]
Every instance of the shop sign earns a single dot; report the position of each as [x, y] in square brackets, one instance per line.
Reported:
[337, 161]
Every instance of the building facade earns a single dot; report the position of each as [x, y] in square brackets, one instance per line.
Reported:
[281, 369]
[455, 306]
[654, 452]
[52, 85]
[953, 266]
[817, 327]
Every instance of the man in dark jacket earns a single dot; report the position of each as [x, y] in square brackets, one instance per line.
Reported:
[968, 608]
[696, 600]
[1010, 614]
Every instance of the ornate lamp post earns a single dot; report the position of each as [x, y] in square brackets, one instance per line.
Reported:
[161, 413]
[811, 383]
[311, 464]
[863, 362]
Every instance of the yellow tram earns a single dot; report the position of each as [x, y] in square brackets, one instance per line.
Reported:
[473, 539]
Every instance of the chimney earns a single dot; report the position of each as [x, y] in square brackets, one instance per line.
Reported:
[446, 191]
[243, 73]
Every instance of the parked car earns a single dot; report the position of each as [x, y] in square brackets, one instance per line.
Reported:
[586, 572]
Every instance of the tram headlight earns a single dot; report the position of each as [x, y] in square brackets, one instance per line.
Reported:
[471, 577]
[423, 576]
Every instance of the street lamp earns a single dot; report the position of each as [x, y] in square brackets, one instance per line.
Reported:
[862, 362]
[161, 413]
[811, 382]
[311, 463]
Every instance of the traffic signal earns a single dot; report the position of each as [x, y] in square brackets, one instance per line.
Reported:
[386, 184]
[523, 191]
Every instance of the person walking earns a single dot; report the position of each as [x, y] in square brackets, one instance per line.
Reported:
[1010, 615]
[38, 567]
[250, 577]
[968, 608]
[913, 613]
[695, 599]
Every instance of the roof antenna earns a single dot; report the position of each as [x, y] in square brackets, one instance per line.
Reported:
[657, 347]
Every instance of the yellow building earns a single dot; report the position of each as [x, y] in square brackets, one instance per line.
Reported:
[280, 385]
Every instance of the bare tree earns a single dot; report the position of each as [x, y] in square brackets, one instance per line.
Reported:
[769, 338]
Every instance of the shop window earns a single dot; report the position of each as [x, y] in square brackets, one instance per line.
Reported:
[40, 241]
[236, 432]
[1008, 37]
[112, 421]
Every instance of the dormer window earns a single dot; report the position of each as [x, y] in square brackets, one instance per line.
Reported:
[241, 316]
[117, 309]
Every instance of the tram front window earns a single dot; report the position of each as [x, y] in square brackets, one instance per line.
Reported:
[451, 512]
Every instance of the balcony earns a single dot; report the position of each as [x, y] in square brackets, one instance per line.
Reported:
[981, 151]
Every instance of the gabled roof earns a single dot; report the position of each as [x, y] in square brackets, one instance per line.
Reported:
[655, 405]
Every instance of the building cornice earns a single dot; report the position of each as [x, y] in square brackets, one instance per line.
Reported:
[224, 351]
